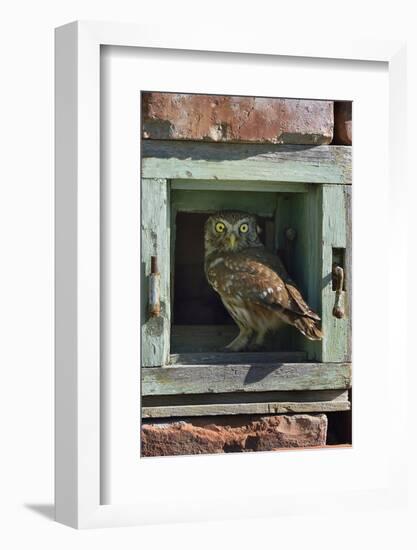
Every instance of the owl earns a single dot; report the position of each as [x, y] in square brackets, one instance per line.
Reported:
[252, 283]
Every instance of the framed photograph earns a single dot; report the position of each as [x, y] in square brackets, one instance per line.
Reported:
[225, 315]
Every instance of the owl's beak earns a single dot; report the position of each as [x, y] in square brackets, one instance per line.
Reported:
[232, 241]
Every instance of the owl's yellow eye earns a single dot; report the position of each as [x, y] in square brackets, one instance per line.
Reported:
[244, 228]
[220, 227]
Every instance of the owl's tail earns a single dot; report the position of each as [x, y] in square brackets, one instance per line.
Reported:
[309, 327]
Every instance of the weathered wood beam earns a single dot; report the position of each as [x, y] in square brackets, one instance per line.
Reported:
[336, 235]
[262, 162]
[244, 408]
[239, 185]
[194, 379]
[241, 397]
[240, 403]
[155, 242]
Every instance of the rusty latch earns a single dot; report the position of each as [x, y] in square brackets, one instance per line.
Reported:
[338, 308]
[154, 289]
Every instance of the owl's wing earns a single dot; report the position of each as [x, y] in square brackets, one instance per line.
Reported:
[296, 296]
[251, 276]
[274, 262]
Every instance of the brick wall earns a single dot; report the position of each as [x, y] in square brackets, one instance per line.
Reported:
[241, 119]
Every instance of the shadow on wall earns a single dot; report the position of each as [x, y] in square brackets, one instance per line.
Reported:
[45, 510]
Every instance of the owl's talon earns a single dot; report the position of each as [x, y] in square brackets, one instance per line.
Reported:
[234, 349]
[241, 341]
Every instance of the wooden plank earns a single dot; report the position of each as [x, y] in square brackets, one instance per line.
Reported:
[221, 358]
[245, 378]
[261, 162]
[336, 234]
[242, 397]
[244, 408]
[241, 403]
[155, 233]
[348, 270]
[311, 255]
[172, 243]
[239, 185]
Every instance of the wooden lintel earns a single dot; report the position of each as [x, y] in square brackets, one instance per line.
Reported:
[262, 162]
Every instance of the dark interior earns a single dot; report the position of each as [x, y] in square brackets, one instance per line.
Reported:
[195, 302]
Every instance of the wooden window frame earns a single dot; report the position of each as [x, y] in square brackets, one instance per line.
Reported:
[268, 168]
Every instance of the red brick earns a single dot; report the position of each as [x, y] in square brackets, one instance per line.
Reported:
[343, 122]
[208, 435]
[236, 119]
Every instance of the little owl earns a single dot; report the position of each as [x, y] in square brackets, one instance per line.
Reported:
[252, 283]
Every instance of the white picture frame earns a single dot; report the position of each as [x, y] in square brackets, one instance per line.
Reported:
[79, 407]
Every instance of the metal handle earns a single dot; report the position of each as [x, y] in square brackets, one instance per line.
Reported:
[154, 289]
[338, 308]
